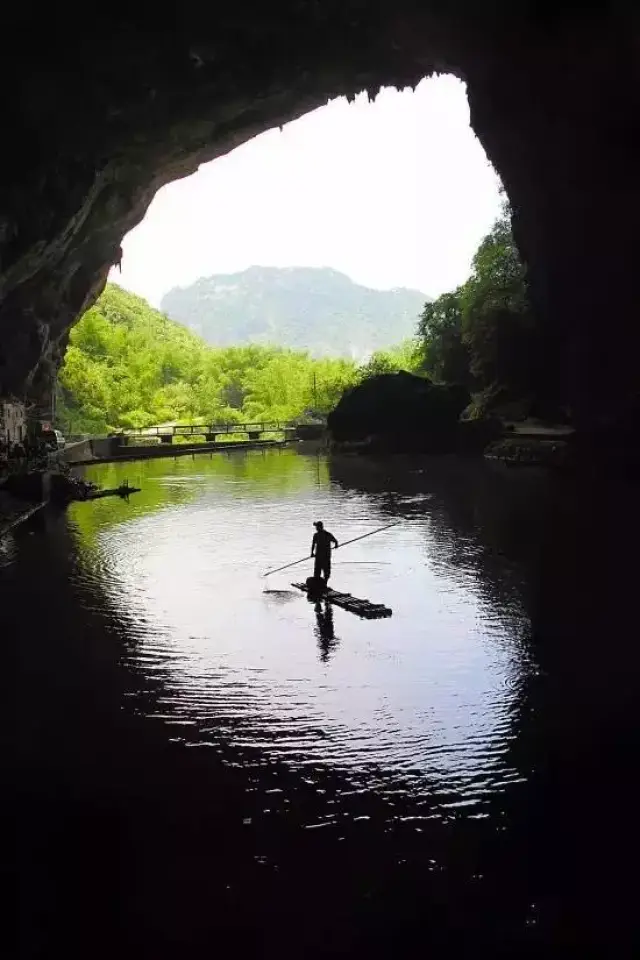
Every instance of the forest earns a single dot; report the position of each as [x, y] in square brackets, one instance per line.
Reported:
[129, 366]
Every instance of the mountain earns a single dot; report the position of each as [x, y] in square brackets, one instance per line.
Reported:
[319, 310]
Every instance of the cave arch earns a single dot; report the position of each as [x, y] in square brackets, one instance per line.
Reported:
[98, 118]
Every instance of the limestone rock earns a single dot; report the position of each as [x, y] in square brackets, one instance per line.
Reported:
[403, 411]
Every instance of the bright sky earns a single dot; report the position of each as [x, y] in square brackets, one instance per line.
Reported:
[394, 192]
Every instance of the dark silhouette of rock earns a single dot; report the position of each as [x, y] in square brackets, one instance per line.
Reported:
[400, 411]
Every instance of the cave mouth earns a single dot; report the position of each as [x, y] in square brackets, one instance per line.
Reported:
[394, 192]
[95, 129]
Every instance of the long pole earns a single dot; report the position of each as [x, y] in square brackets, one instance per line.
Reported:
[345, 544]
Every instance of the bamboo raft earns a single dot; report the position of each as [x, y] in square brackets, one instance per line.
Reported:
[363, 608]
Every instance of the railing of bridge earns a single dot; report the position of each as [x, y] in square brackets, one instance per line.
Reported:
[210, 429]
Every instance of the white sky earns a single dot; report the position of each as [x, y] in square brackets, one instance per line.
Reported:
[395, 192]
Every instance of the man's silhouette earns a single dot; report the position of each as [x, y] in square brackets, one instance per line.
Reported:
[321, 550]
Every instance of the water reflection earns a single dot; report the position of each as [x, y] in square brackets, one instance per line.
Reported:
[425, 695]
[196, 757]
[476, 518]
[325, 633]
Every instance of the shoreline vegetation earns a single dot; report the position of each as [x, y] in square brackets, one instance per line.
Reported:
[130, 367]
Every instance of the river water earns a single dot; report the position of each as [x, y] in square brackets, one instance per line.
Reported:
[202, 759]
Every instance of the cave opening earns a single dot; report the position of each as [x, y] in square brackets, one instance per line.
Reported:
[326, 236]
[96, 130]
[366, 186]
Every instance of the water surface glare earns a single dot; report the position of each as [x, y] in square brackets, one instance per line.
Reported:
[422, 698]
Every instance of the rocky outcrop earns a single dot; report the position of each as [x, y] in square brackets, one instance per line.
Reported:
[97, 118]
[397, 411]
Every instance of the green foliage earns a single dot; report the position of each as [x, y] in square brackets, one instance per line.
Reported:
[128, 366]
[407, 357]
[498, 326]
[483, 335]
[445, 356]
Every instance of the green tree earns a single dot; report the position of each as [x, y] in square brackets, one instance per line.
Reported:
[445, 357]
[329, 378]
[484, 334]
[498, 324]
[406, 356]
[129, 366]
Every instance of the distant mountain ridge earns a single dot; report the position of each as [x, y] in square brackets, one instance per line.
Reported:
[306, 308]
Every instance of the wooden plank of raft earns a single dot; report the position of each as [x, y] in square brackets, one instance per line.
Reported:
[363, 608]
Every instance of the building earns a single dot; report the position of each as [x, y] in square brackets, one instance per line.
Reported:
[13, 421]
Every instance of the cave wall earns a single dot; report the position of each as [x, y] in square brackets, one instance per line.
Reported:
[99, 115]
[558, 111]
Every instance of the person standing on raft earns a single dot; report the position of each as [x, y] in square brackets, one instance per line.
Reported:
[321, 550]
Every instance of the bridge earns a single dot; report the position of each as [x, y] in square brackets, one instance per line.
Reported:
[215, 432]
[158, 441]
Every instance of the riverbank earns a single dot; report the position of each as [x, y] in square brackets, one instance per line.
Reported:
[24, 490]
[529, 443]
[158, 451]
[169, 451]
[14, 511]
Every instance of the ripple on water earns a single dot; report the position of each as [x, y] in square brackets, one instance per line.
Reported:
[420, 705]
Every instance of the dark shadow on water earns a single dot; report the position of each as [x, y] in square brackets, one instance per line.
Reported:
[564, 550]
